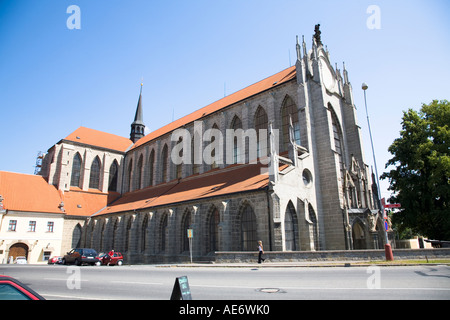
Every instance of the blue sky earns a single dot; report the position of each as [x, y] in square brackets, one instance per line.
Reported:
[54, 79]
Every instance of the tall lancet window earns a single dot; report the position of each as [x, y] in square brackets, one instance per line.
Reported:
[290, 228]
[113, 172]
[338, 141]
[76, 171]
[130, 169]
[165, 164]
[248, 229]
[214, 151]
[289, 111]
[151, 167]
[179, 167]
[235, 125]
[139, 172]
[94, 180]
[196, 151]
[261, 127]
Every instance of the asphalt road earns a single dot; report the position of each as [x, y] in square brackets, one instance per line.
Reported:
[225, 283]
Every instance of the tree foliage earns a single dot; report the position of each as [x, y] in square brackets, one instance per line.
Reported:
[421, 177]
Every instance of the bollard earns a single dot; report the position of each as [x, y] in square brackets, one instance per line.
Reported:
[388, 252]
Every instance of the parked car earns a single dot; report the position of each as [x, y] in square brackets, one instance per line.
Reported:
[55, 260]
[79, 256]
[13, 289]
[115, 258]
[21, 260]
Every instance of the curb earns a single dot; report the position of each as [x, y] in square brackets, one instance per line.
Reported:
[300, 265]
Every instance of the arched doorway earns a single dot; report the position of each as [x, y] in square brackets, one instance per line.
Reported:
[359, 236]
[18, 250]
[290, 228]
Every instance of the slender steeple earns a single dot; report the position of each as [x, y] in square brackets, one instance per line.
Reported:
[138, 126]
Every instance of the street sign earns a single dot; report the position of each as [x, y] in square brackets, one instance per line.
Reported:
[386, 225]
[181, 290]
[393, 205]
[190, 235]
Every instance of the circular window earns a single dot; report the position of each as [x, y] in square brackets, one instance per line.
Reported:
[307, 177]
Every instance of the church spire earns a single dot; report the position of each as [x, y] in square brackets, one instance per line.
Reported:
[138, 126]
[299, 55]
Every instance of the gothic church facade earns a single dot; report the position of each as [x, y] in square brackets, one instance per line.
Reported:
[307, 188]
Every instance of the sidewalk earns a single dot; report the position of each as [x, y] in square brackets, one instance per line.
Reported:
[308, 264]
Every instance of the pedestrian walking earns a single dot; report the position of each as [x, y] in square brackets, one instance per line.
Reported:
[261, 252]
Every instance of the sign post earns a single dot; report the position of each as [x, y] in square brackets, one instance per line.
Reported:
[190, 235]
[387, 247]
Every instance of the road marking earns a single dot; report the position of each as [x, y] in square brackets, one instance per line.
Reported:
[217, 286]
[134, 282]
[73, 297]
[62, 279]
[318, 288]
[325, 288]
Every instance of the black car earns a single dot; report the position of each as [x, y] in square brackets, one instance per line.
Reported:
[79, 256]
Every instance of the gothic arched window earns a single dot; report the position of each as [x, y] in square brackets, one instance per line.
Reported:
[315, 226]
[76, 171]
[214, 151]
[261, 127]
[94, 179]
[144, 236]
[186, 224]
[214, 221]
[165, 164]
[196, 150]
[236, 124]
[163, 231]
[289, 111]
[113, 173]
[290, 228]
[139, 172]
[248, 229]
[338, 141]
[130, 170]
[151, 168]
[179, 167]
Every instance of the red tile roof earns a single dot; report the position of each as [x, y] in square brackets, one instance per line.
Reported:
[32, 193]
[233, 179]
[99, 139]
[263, 85]
[24, 192]
[82, 203]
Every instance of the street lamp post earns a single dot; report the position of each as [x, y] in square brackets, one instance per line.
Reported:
[387, 246]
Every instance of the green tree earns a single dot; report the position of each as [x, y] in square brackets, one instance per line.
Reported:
[421, 177]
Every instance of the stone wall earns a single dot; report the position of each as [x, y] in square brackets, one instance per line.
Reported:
[339, 255]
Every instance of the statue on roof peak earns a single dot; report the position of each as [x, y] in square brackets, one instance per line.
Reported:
[317, 34]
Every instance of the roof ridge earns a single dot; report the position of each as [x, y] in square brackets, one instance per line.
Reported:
[216, 106]
[27, 174]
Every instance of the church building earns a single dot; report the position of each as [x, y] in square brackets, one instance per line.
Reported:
[279, 161]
